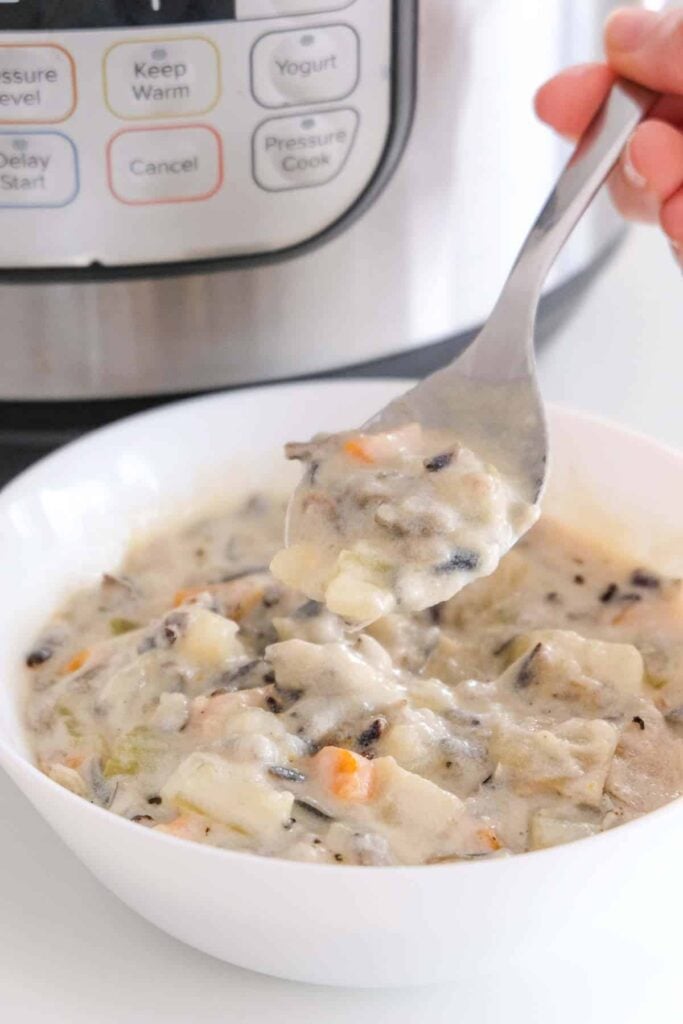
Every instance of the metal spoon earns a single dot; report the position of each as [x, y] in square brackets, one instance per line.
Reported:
[488, 397]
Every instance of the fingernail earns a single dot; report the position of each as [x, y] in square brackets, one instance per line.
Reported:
[630, 171]
[626, 29]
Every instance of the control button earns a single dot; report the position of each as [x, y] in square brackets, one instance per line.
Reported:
[37, 84]
[248, 9]
[307, 66]
[37, 169]
[166, 78]
[301, 152]
[165, 165]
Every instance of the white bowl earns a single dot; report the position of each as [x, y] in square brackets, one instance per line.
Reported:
[614, 901]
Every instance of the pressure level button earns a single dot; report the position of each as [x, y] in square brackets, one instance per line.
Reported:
[313, 65]
[37, 84]
[302, 152]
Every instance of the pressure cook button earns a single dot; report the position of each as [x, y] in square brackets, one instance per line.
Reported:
[307, 66]
[167, 78]
[248, 9]
[300, 152]
[165, 165]
[37, 169]
[37, 84]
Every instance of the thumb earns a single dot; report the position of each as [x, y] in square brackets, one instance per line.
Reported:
[647, 47]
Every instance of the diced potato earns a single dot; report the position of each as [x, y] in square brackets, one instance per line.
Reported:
[647, 770]
[171, 713]
[571, 759]
[257, 720]
[357, 847]
[359, 590]
[432, 694]
[332, 669]
[209, 640]
[67, 777]
[616, 665]
[305, 567]
[420, 820]
[416, 741]
[212, 716]
[234, 795]
[548, 831]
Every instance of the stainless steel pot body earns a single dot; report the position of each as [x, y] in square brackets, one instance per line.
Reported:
[421, 264]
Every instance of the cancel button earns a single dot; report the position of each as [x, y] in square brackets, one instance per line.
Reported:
[303, 151]
[165, 165]
[190, 165]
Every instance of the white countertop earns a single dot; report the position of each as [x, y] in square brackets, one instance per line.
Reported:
[70, 952]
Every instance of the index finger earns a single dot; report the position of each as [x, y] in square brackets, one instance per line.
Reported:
[647, 47]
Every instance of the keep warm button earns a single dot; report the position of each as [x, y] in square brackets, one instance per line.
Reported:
[165, 165]
[37, 169]
[170, 78]
[300, 152]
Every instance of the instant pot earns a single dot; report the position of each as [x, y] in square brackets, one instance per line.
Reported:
[202, 193]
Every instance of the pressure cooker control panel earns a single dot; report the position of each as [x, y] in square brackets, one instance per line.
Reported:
[153, 131]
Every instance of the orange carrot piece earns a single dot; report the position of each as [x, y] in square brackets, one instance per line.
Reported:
[186, 594]
[346, 775]
[489, 838]
[357, 449]
[78, 661]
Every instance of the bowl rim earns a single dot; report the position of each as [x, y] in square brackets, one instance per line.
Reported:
[25, 482]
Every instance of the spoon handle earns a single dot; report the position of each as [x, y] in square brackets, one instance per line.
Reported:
[594, 157]
[504, 349]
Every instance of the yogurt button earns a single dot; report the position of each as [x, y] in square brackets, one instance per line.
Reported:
[37, 84]
[165, 165]
[37, 169]
[307, 66]
[301, 152]
[247, 9]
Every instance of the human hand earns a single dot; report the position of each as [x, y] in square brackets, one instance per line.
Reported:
[646, 47]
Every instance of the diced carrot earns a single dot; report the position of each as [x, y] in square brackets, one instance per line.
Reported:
[78, 661]
[489, 838]
[74, 760]
[185, 826]
[186, 594]
[236, 598]
[346, 775]
[357, 448]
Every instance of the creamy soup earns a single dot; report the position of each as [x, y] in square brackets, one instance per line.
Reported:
[193, 693]
[402, 519]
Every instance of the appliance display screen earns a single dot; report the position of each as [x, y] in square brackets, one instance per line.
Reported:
[18, 15]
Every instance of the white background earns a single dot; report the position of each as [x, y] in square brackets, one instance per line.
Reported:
[70, 952]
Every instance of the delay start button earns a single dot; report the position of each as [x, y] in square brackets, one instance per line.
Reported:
[314, 65]
[37, 84]
[301, 152]
[168, 78]
[165, 165]
[37, 169]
